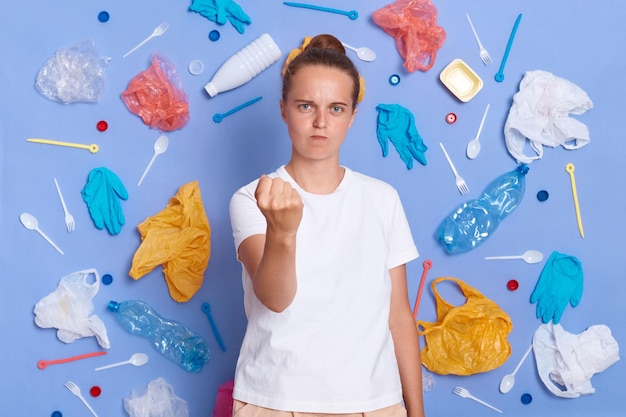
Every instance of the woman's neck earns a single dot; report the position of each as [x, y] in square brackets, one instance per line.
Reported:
[317, 177]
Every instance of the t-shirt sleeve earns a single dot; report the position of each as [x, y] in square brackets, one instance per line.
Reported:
[245, 217]
[402, 248]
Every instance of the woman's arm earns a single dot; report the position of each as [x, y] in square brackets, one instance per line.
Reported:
[405, 339]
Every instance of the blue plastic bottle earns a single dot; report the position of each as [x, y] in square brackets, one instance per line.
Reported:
[174, 340]
[474, 221]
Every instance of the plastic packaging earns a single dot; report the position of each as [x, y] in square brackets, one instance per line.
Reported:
[157, 399]
[74, 74]
[244, 65]
[174, 340]
[474, 221]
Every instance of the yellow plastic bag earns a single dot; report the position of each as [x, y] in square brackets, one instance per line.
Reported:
[466, 339]
[179, 238]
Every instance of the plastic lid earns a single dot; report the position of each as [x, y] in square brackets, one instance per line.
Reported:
[526, 398]
[214, 35]
[196, 67]
[103, 16]
[542, 195]
[95, 391]
[102, 125]
[107, 279]
[394, 79]
[450, 118]
[113, 306]
[512, 285]
[56, 414]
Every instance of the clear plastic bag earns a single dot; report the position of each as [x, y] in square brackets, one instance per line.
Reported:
[74, 74]
[157, 399]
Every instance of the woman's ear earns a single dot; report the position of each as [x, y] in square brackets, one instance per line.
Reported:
[282, 110]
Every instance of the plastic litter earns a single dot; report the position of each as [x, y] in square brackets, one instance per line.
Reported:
[413, 25]
[172, 339]
[74, 74]
[157, 96]
[157, 399]
[224, 400]
[221, 11]
[102, 194]
[474, 221]
[397, 124]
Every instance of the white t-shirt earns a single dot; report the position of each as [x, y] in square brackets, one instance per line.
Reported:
[331, 350]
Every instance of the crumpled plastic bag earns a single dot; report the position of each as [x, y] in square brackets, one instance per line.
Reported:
[219, 11]
[456, 343]
[157, 96]
[566, 362]
[540, 113]
[74, 74]
[157, 399]
[69, 309]
[224, 400]
[413, 25]
[179, 238]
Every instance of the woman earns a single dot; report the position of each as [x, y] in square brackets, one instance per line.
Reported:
[323, 250]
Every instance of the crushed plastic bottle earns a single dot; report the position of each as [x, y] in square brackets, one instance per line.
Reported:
[474, 221]
[174, 340]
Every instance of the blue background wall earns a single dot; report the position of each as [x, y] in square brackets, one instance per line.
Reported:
[571, 39]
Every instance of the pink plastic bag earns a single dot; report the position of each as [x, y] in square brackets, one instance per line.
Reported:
[413, 24]
[157, 96]
[224, 400]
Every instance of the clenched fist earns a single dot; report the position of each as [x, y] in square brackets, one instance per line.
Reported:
[280, 203]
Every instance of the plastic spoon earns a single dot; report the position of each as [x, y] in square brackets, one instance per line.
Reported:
[138, 359]
[160, 146]
[507, 382]
[364, 53]
[473, 147]
[30, 222]
[530, 256]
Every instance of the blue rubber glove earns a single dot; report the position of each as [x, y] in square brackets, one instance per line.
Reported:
[219, 11]
[560, 282]
[102, 193]
[396, 123]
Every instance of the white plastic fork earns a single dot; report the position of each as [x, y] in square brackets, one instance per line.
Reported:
[484, 55]
[69, 219]
[158, 31]
[460, 182]
[76, 391]
[463, 392]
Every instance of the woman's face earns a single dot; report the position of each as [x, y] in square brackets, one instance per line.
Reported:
[318, 111]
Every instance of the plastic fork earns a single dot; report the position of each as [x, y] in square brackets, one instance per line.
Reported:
[484, 55]
[76, 391]
[158, 31]
[460, 182]
[69, 219]
[463, 392]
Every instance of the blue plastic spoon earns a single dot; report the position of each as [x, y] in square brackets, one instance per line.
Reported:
[352, 14]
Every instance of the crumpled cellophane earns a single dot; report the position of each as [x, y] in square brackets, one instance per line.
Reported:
[179, 239]
[413, 25]
[466, 339]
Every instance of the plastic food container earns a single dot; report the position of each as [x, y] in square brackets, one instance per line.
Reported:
[461, 80]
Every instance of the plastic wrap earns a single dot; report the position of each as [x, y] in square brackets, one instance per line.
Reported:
[157, 399]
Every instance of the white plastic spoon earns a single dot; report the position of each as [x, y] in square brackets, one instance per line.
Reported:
[530, 256]
[509, 380]
[30, 222]
[138, 359]
[473, 147]
[160, 146]
[364, 53]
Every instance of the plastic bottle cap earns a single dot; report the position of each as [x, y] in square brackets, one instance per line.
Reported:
[196, 67]
[103, 16]
[113, 306]
[394, 79]
[214, 35]
[56, 414]
[542, 195]
[512, 285]
[107, 279]
[526, 398]
[102, 125]
[450, 118]
[95, 391]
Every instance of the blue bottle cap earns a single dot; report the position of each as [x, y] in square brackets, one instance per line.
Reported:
[113, 306]
[394, 79]
[103, 16]
[214, 35]
[526, 398]
[542, 195]
[56, 414]
[107, 279]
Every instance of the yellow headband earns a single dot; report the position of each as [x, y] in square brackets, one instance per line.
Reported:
[297, 51]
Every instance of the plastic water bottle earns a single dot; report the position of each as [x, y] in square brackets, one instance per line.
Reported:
[474, 221]
[244, 65]
[174, 340]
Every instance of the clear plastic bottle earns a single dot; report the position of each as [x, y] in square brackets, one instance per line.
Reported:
[244, 65]
[474, 221]
[174, 340]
